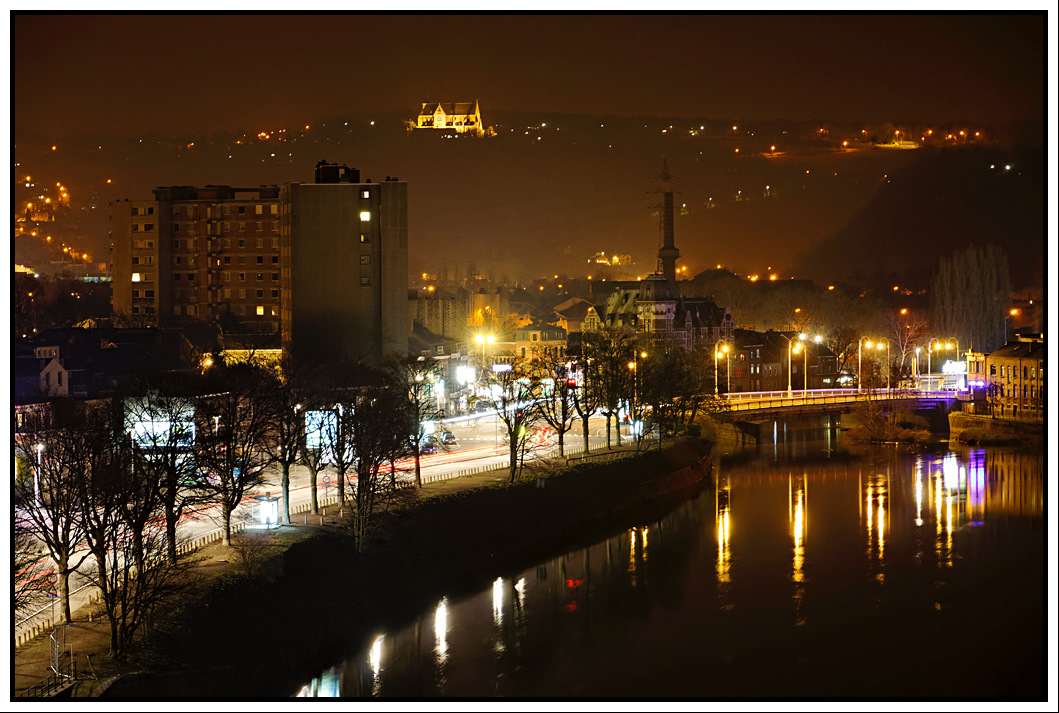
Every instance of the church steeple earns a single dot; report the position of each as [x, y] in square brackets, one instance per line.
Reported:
[668, 253]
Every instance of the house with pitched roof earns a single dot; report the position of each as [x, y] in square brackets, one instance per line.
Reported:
[460, 117]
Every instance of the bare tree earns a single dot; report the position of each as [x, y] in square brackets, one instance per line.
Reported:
[29, 559]
[514, 387]
[161, 428]
[57, 448]
[133, 568]
[287, 397]
[233, 430]
[557, 403]
[907, 328]
[608, 352]
[417, 376]
[586, 397]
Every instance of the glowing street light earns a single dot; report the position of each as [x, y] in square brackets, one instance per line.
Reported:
[718, 348]
[484, 339]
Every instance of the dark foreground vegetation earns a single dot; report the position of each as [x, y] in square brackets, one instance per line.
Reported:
[251, 637]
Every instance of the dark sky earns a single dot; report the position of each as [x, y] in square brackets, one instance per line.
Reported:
[126, 74]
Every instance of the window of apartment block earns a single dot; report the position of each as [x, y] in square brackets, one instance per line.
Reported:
[148, 293]
[365, 193]
[274, 209]
[242, 259]
[242, 243]
[135, 293]
[275, 259]
[191, 276]
[260, 276]
[226, 243]
[227, 259]
[137, 276]
[275, 242]
[177, 260]
[261, 310]
[227, 293]
[242, 277]
[275, 276]
[259, 209]
[275, 292]
[135, 260]
[242, 226]
[365, 259]
[260, 259]
[242, 209]
[261, 242]
[260, 293]
[176, 275]
[365, 216]
[365, 282]
[148, 227]
[365, 238]
[227, 276]
[257, 226]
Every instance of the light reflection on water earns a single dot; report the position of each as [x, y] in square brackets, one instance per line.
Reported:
[719, 596]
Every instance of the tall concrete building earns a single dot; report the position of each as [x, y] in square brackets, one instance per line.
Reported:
[344, 266]
[322, 265]
[197, 253]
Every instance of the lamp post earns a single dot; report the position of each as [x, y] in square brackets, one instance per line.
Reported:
[1013, 312]
[860, 381]
[634, 368]
[880, 346]
[789, 347]
[36, 472]
[915, 367]
[805, 364]
[930, 380]
[716, 353]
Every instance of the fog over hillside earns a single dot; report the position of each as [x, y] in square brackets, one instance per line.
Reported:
[547, 192]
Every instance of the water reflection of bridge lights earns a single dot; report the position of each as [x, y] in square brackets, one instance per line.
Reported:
[498, 601]
[796, 515]
[876, 515]
[375, 659]
[919, 492]
[724, 533]
[441, 616]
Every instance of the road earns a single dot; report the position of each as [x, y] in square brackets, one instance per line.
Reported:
[479, 444]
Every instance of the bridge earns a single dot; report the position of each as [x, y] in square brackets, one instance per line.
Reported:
[756, 407]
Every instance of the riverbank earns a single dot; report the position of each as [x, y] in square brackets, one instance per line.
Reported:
[981, 430]
[258, 637]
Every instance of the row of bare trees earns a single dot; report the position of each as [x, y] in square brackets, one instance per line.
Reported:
[619, 371]
[103, 484]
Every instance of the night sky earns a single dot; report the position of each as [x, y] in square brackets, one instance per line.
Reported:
[187, 73]
[518, 204]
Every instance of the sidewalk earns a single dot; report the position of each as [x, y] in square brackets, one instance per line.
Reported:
[88, 636]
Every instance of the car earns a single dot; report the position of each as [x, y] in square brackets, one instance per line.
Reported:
[447, 439]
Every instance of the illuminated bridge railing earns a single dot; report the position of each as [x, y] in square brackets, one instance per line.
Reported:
[759, 400]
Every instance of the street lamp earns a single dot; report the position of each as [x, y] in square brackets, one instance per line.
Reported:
[36, 473]
[915, 368]
[805, 364]
[789, 347]
[879, 346]
[633, 367]
[716, 353]
[1014, 312]
[484, 339]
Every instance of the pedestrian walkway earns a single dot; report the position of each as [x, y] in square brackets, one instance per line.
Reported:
[88, 635]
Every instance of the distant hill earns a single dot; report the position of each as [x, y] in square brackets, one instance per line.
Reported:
[549, 191]
[944, 200]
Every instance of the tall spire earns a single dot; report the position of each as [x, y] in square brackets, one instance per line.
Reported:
[668, 253]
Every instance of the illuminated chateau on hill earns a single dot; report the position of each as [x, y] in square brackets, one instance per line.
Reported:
[461, 117]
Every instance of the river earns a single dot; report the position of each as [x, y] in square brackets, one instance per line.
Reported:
[809, 570]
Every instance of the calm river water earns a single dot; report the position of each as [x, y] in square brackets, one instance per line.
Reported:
[807, 571]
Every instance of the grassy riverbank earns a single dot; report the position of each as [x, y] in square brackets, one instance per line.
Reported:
[257, 637]
[979, 430]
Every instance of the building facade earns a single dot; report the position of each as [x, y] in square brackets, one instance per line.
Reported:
[1015, 378]
[460, 117]
[344, 266]
[197, 253]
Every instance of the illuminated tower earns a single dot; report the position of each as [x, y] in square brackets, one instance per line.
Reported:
[668, 253]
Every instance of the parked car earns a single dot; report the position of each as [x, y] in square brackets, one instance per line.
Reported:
[447, 438]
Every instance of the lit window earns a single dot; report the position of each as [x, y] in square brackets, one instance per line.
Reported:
[365, 238]
[261, 310]
[365, 193]
[365, 216]
[135, 277]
